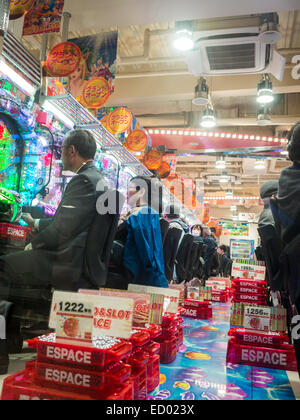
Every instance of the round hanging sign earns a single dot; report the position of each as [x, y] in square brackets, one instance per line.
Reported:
[153, 160]
[119, 120]
[136, 141]
[96, 92]
[18, 8]
[164, 170]
[63, 59]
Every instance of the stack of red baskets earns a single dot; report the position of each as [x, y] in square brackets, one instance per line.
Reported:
[65, 371]
[249, 291]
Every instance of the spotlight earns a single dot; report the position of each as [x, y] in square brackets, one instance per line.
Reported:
[263, 116]
[229, 194]
[269, 29]
[208, 118]
[201, 93]
[220, 163]
[265, 90]
[224, 179]
[259, 164]
[184, 36]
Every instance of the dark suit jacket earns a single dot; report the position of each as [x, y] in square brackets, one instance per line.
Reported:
[58, 249]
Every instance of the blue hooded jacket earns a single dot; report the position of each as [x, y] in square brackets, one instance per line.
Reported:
[143, 254]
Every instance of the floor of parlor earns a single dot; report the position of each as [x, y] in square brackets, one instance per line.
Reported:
[200, 371]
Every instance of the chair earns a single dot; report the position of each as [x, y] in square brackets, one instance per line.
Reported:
[271, 247]
[193, 261]
[198, 271]
[164, 227]
[183, 258]
[100, 240]
[170, 251]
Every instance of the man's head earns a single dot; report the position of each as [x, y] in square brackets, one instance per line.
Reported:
[172, 212]
[268, 190]
[222, 250]
[294, 143]
[78, 148]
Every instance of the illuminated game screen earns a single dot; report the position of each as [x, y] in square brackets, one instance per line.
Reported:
[10, 154]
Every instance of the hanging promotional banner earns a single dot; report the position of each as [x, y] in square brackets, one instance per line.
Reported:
[119, 120]
[63, 59]
[98, 57]
[153, 160]
[96, 92]
[44, 17]
[18, 8]
[136, 141]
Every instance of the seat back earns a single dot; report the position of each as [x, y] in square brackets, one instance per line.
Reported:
[193, 260]
[183, 257]
[164, 227]
[271, 246]
[100, 238]
[170, 251]
[198, 271]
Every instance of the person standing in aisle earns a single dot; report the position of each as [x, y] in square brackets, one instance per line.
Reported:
[211, 258]
[268, 190]
[225, 262]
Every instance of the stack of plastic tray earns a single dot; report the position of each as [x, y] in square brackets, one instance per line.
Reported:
[139, 360]
[169, 339]
[249, 291]
[197, 309]
[261, 349]
[76, 371]
[220, 296]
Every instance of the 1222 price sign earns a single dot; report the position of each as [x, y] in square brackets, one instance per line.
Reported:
[257, 318]
[72, 316]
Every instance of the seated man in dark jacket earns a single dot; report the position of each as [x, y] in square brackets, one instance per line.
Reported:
[225, 262]
[54, 258]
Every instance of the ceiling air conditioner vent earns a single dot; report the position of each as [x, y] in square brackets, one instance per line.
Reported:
[231, 57]
[233, 51]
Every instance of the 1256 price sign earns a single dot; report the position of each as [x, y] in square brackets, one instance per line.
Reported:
[257, 318]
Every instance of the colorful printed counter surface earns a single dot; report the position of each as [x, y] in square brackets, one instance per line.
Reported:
[200, 371]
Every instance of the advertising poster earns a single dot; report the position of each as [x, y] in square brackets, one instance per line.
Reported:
[45, 17]
[99, 53]
[235, 229]
[242, 249]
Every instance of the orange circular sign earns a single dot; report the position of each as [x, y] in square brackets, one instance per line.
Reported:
[164, 170]
[63, 59]
[137, 141]
[119, 120]
[18, 8]
[96, 92]
[153, 160]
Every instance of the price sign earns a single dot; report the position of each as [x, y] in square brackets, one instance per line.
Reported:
[142, 302]
[171, 296]
[193, 293]
[257, 318]
[79, 317]
[216, 285]
[72, 316]
[113, 316]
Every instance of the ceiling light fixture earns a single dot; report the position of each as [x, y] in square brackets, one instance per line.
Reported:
[259, 164]
[229, 195]
[184, 36]
[220, 163]
[201, 93]
[263, 116]
[265, 90]
[208, 118]
[224, 179]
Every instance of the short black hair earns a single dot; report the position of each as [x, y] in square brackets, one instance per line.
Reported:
[223, 248]
[83, 141]
[172, 212]
[294, 143]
